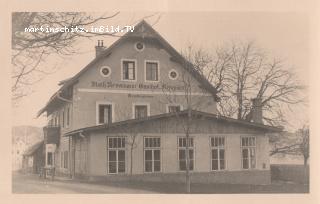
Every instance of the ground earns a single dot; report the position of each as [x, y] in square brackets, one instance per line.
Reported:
[24, 183]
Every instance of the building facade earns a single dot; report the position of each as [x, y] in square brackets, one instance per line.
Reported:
[128, 111]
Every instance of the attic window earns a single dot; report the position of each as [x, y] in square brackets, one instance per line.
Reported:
[139, 46]
[105, 71]
[173, 74]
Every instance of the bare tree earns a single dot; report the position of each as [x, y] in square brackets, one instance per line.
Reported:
[298, 144]
[242, 72]
[33, 42]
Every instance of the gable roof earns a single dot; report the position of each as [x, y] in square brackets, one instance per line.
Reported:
[194, 113]
[144, 30]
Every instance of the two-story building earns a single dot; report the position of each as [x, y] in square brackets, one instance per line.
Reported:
[128, 111]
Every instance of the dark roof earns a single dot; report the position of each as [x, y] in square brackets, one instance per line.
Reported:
[33, 148]
[194, 113]
[155, 35]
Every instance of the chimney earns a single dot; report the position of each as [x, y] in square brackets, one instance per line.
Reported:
[257, 110]
[99, 48]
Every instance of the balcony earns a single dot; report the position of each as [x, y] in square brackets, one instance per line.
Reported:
[51, 134]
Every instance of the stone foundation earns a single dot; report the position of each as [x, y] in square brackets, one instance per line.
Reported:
[230, 177]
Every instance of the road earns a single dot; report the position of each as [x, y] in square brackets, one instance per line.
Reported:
[25, 184]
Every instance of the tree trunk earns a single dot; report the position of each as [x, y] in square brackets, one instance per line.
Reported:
[188, 182]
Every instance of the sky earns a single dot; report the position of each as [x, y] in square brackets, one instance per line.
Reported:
[282, 34]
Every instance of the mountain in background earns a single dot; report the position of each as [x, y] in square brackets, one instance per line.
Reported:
[23, 137]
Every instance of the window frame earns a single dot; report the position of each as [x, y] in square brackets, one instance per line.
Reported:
[145, 70]
[173, 104]
[218, 148]
[175, 72]
[117, 149]
[135, 70]
[152, 149]
[140, 104]
[105, 67]
[249, 156]
[194, 153]
[98, 103]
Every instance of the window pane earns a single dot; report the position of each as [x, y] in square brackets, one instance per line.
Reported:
[112, 156]
[191, 165]
[157, 166]
[214, 164]
[156, 155]
[182, 165]
[112, 167]
[121, 167]
[221, 152]
[191, 153]
[182, 154]
[148, 155]
[244, 153]
[121, 155]
[245, 163]
[148, 166]
[221, 164]
[214, 154]
[152, 71]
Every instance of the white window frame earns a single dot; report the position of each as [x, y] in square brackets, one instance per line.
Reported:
[170, 75]
[104, 103]
[218, 148]
[140, 104]
[249, 156]
[135, 46]
[145, 70]
[173, 104]
[194, 153]
[151, 148]
[136, 68]
[117, 150]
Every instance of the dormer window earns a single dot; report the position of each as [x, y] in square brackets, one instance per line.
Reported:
[129, 70]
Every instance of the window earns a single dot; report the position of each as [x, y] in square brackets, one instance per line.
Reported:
[128, 70]
[61, 159]
[152, 162]
[217, 153]
[104, 113]
[173, 108]
[139, 46]
[105, 71]
[152, 71]
[49, 158]
[182, 153]
[140, 111]
[116, 155]
[68, 116]
[63, 118]
[173, 74]
[248, 152]
[66, 159]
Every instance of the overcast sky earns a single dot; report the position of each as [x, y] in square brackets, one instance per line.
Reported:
[284, 35]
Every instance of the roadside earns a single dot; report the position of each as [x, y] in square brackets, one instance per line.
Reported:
[33, 184]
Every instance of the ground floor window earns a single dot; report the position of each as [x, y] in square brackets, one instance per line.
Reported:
[49, 159]
[116, 155]
[182, 153]
[217, 153]
[248, 152]
[152, 158]
[66, 159]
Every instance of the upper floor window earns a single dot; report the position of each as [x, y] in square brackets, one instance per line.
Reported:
[128, 70]
[217, 153]
[152, 71]
[104, 113]
[173, 108]
[248, 152]
[68, 116]
[141, 110]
